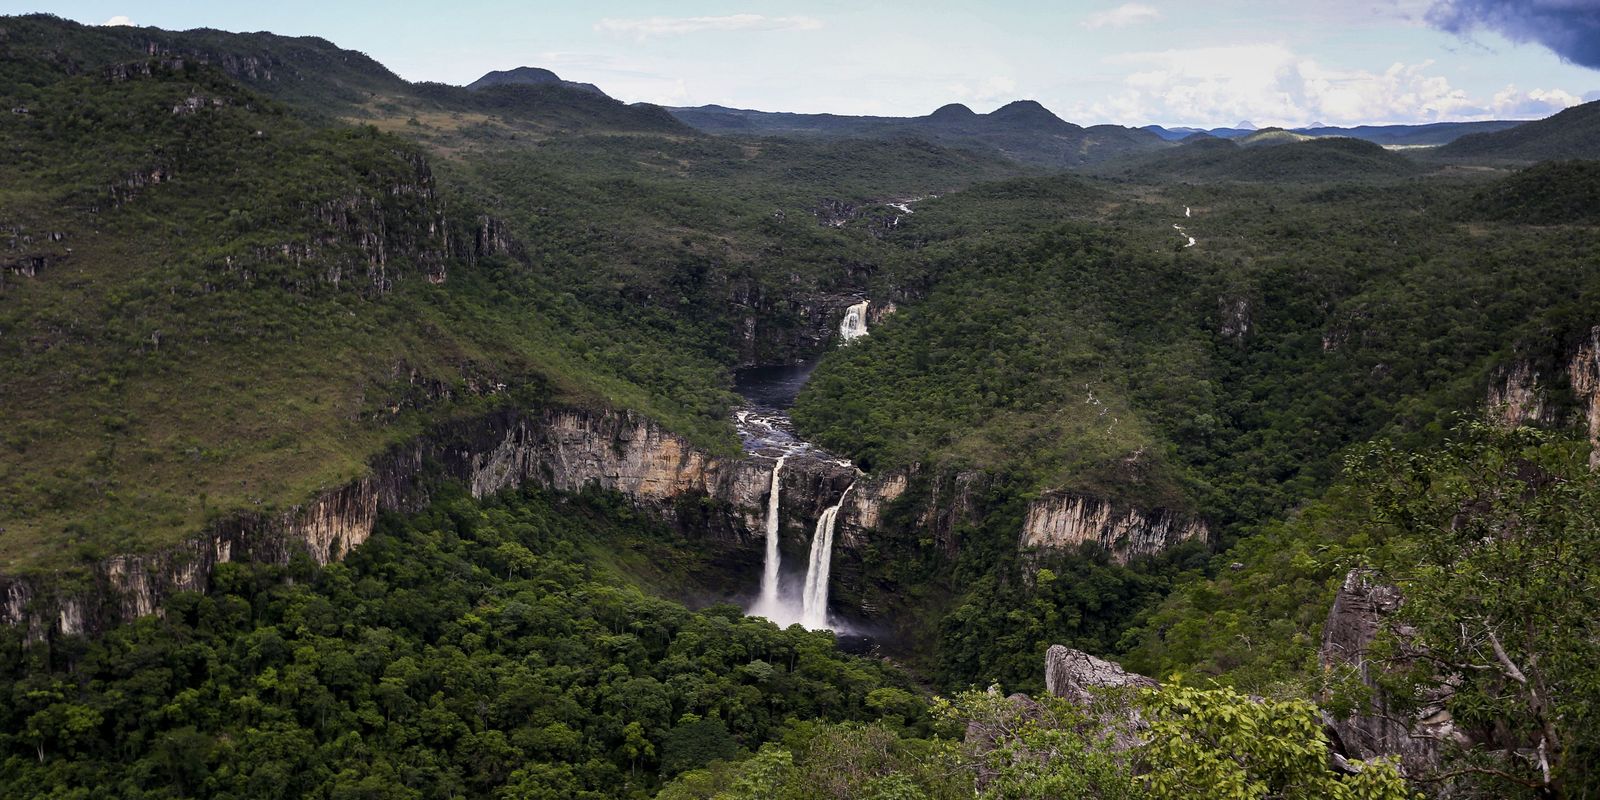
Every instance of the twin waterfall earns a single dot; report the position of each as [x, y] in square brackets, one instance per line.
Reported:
[813, 610]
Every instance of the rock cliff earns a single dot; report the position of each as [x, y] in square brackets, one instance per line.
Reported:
[1418, 738]
[566, 449]
[1527, 392]
[1065, 520]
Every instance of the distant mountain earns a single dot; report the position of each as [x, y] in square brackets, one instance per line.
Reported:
[1178, 134]
[1023, 131]
[1435, 133]
[531, 76]
[316, 77]
[1573, 133]
[1276, 156]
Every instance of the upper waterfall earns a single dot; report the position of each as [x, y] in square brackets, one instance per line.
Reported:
[854, 323]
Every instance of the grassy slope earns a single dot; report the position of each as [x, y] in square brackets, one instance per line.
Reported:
[179, 363]
[175, 363]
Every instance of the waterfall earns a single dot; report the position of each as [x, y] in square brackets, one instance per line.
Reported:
[768, 604]
[814, 608]
[854, 323]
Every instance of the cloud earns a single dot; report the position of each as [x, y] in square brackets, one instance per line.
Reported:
[1271, 84]
[642, 28]
[1000, 87]
[1122, 16]
[1570, 28]
[118, 21]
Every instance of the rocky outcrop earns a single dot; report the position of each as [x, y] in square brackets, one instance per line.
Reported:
[1072, 673]
[1417, 738]
[1235, 318]
[1064, 520]
[1517, 398]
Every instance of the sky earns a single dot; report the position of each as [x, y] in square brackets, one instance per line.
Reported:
[1269, 62]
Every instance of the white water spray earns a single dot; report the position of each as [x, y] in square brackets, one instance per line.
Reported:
[814, 607]
[854, 323]
[768, 604]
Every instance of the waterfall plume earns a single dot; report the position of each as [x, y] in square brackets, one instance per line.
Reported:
[814, 604]
[768, 604]
[854, 323]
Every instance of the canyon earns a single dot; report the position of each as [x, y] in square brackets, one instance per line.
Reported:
[730, 500]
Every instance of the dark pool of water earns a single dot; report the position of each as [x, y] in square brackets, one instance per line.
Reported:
[772, 388]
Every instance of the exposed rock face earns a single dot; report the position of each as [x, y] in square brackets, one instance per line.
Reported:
[1356, 618]
[1235, 313]
[1519, 393]
[1516, 398]
[1070, 673]
[1065, 520]
[1584, 372]
[565, 449]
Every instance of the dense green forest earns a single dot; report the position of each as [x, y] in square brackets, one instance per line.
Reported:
[475, 649]
[240, 269]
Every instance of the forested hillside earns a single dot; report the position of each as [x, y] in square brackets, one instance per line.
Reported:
[368, 438]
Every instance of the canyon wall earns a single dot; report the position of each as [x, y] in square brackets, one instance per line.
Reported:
[1526, 393]
[716, 497]
[1064, 520]
[564, 449]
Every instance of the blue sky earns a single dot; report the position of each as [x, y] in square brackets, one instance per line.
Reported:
[1213, 63]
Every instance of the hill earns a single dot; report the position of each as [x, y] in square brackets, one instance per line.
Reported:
[1573, 133]
[534, 76]
[1433, 133]
[1552, 193]
[289, 269]
[1023, 131]
[1272, 157]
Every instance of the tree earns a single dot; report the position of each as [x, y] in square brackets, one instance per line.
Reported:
[1220, 744]
[1494, 543]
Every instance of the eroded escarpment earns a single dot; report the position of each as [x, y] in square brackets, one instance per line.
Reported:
[718, 498]
[1559, 391]
[564, 449]
[1065, 520]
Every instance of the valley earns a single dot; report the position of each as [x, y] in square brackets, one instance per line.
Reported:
[365, 437]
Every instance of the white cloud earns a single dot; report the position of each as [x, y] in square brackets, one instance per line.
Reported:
[1534, 103]
[1122, 16]
[1000, 87]
[642, 28]
[120, 20]
[1270, 84]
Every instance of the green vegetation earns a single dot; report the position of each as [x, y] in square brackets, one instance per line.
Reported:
[1270, 156]
[1199, 743]
[473, 650]
[1572, 133]
[241, 309]
[1553, 193]
[237, 267]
